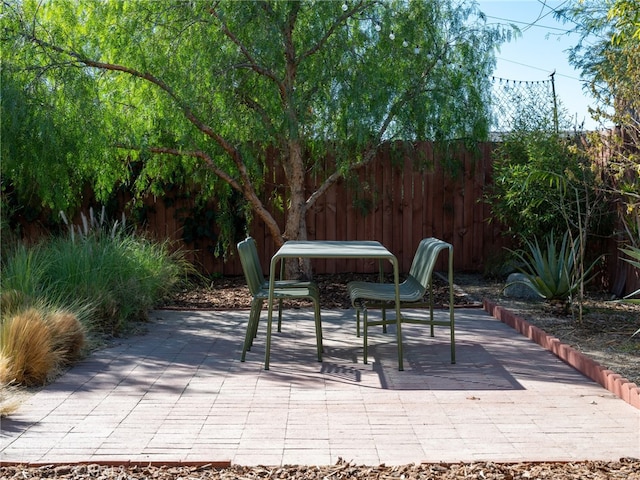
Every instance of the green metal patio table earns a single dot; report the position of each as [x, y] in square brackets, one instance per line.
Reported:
[356, 249]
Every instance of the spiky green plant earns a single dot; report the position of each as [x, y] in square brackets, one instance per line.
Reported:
[552, 270]
[634, 253]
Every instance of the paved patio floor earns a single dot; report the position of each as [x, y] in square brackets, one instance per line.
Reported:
[180, 394]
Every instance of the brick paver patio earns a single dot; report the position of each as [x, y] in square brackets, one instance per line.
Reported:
[180, 394]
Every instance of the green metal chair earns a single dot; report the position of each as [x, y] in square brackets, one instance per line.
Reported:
[369, 295]
[259, 288]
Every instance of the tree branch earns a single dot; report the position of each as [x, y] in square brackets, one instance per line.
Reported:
[188, 113]
[245, 189]
[253, 64]
[189, 153]
[361, 6]
[186, 110]
[367, 158]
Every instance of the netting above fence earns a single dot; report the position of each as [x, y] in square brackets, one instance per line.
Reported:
[518, 104]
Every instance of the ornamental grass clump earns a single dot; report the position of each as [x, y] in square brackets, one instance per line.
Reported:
[27, 356]
[36, 344]
[107, 276]
[67, 336]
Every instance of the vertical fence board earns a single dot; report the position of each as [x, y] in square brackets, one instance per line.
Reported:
[437, 203]
[416, 206]
[428, 187]
[470, 202]
[397, 219]
[331, 212]
[408, 235]
[387, 200]
[478, 220]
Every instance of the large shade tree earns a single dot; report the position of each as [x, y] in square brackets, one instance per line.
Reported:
[608, 56]
[199, 91]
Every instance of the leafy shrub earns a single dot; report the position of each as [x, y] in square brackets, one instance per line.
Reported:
[524, 196]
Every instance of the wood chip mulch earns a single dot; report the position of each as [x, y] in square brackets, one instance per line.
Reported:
[623, 469]
[228, 293]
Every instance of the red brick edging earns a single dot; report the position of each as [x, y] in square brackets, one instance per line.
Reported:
[616, 384]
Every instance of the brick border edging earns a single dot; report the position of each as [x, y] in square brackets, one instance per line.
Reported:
[616, 384]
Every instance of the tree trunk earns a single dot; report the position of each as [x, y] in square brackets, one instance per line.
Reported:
[296, 222]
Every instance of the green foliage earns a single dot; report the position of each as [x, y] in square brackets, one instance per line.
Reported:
[608, 56]
[634, 253]
[109, 281]
[8, 234]
[634, 260]
[524, 196]
[154, 93]
[551, 269]
[52, 132]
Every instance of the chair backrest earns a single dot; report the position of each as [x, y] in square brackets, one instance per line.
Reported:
[425, 258]
[248, 252]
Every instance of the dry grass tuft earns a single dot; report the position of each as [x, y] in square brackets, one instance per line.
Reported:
[67, 335]
[35, 344]
[10, 399]
[11, 301]
[26, 353]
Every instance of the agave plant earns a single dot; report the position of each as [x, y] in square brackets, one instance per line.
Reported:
[634, 253]
[552, 271]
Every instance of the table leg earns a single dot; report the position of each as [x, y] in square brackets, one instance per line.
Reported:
[267, 351]
[384, 310]
[396, 280]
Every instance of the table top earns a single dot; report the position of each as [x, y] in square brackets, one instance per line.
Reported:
[334, 249]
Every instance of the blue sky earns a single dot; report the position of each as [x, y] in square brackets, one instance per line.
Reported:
[539, 51]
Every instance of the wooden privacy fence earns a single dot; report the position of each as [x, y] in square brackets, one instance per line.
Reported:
[392, 201]
[396, 199]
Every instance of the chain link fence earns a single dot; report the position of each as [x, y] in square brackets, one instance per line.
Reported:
[518, 104]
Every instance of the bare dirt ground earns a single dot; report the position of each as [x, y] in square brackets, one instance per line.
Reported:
[604, 334]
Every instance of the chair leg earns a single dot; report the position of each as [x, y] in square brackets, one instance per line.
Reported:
[280, 316]
[384, 320]
[365, 328]
[252, 326]
[357, 322]
[256, 318]
[316, 305]
[431, 307]
[453, 335]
